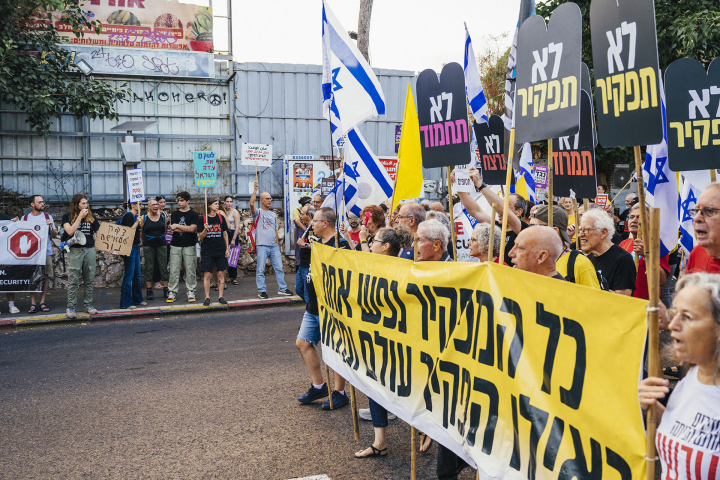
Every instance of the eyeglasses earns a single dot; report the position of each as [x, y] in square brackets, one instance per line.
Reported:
[706, 212]
[684, 317]
[404, 216]
[585, 230]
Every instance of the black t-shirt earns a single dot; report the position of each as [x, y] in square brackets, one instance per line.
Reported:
[214, 243]
[185, 239]
[154, 231]
[128, 220]
[510, 239]
[559, 277]
[616, 269]
[87, 228]
[312, 305]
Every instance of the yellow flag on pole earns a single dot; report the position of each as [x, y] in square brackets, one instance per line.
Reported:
[409, 178]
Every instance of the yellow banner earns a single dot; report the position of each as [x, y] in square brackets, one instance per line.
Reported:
[522, 375]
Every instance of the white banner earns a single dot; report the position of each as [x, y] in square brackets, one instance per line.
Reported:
[136, 187]
[256, 154]
[23, 246]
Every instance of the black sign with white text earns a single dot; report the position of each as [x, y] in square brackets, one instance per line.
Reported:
[491, 139]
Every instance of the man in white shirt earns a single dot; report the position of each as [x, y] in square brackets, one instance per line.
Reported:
[38, 215]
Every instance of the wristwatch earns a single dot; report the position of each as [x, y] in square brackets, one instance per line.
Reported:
[479, 189]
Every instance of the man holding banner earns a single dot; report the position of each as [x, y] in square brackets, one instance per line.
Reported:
[39, 217]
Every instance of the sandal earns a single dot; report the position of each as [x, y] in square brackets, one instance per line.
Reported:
[158, 286]
[33, 309]
[375, 453]
[234, 281]
[424, 437]
[44, 308]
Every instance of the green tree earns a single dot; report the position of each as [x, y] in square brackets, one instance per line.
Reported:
[37, 75]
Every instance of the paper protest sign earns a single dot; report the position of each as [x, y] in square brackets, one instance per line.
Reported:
[574, 159]
[491, 139]
[693, 115]
[443, 117]
[136, 188]
[540, 173]
[547, 103]
[256, 154]
[625, 63]
[111, 237]
[205, 163]
[601, 200]
[462, 181]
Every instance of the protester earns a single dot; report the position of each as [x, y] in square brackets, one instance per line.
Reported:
[635, 247]
[214, 249]
[432, 242]
[567, 205]
[38, 216]
[536, 250]
[317, 201]
[131, 290]
[705, 257]
[373, 219]
[351, 235]
[630, 200]
[81, 259]
[694, 405]
[437, 206]
[410, 216]
[300, 227]
[616, 237]
[307, 213]
[154, 247]
[601, 189]
[480, 243]
[323, 224]
[233, 218]
[157, 276]
[572, 264]
[614, 265]
[425, 204]
[388, 241]
[184, 223]
[267, 243]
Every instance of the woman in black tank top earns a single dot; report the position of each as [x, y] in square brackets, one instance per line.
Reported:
[154, 225]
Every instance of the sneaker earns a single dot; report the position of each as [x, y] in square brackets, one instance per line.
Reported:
[222, 301]
[314, 394]
[206, 302]
[170, 297]
[263, 295]
[91, 310]
[365, 414]
[142, 303]
[285, 293]
[131, 307]
[150, 295]
[70, 312]
[339, 400]
[191, 296]
[14, 309]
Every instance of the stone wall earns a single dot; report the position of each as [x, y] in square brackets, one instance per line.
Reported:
[109, 269]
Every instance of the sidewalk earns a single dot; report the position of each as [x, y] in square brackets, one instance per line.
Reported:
[107, 301]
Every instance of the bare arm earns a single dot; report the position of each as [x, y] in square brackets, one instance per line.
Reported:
[70, 229]
[256, 186]
[513, 221]
[236, 216]
[473, 208]
[624, 291]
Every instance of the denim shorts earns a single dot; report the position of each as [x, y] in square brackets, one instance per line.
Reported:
[310, 328]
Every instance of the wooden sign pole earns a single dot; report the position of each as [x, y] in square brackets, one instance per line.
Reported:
[491, 241]
[206, 207]
[550, 182]
[506, 200]
[652, 265]
[577, 224]
[642, 228]
[452, 219]
[413, 430]
[353, 404]
[713, 176]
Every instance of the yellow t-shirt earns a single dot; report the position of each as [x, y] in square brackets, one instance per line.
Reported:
[571, 221]
[295, 215]
[585, 273]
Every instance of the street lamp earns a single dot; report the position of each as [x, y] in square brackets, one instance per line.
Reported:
[131, 150]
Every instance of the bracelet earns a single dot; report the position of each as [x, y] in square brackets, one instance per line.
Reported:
[479, 189]
[363, 241]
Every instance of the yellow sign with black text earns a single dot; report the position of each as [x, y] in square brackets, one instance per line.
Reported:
[521, 375]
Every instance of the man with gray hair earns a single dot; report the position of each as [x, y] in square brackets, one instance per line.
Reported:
[432, 242]
[536, 250]
[614, 265]
[411, 215]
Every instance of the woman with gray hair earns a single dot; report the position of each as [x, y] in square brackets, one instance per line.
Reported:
[480, 243]
[432, 242]
[695, 403]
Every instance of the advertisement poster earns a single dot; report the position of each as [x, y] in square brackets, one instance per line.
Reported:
[302, 177]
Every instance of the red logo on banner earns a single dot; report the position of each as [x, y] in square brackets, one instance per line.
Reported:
[390, 165]
[24, 244]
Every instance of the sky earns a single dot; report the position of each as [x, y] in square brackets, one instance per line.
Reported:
[404, 34]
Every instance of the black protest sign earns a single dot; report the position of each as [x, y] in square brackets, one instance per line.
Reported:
[547, 103]
[693, 115]
[574, 158]
[625, 62]
[491, 139]
[585, 85]
[443, 118]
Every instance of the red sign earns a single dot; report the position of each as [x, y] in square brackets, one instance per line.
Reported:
[390, 165]
[24, 244]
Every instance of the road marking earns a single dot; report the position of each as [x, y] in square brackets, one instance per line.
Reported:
[314, 477]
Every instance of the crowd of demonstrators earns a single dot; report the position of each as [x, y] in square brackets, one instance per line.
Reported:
[614, 265]
[267, 244]
[233, 220]
[131, 290]
[155, 249]
[214, 248]
[184, 223]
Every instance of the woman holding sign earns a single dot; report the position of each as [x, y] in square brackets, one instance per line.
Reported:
[214, 251]
[81, 259]
[131, 292]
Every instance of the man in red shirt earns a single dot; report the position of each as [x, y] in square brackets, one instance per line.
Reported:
[706, 222]
[634, 246]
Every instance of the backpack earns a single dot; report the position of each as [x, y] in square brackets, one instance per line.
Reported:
[119, 220]
[152, 237]
[570, 277]
[27, 215]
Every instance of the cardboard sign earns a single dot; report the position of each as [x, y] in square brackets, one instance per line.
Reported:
[574, 159]
[547, 101]
[601, 200]
[693, 115]
[541, 176]
[136, 189]
[625, 63]
[585, 85]
[255, 154]
[491, 140]
[443, 118]
[111, 237]
[205, 169]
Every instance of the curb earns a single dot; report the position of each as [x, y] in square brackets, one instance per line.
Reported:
[166, 311]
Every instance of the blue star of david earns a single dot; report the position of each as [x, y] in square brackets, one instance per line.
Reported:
[689, 203]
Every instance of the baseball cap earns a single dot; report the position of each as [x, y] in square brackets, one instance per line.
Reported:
[560, 219]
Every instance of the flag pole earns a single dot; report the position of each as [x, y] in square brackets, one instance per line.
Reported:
[491, 243]
[643, 227]
[713, 175]
[550, 182]
[453, 234]
[652, 264]
[413, 430]
[576, 211]
[506, 200]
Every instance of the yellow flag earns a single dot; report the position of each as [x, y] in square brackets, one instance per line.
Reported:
[409, 178]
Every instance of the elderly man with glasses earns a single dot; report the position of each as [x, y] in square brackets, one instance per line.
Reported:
[411, 215]
[706, 222]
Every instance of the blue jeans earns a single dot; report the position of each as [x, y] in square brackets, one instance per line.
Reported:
[131, 293]
[378, 413]
[300, 285]
[263, 252]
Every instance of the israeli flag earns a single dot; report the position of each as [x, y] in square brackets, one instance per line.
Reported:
[688, 198]
[524, 178]
[351, 91]
[344, 188]
[473, 85]
[374, 185]
[661, 190]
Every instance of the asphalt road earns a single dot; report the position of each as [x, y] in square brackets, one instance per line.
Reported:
[179, 397]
